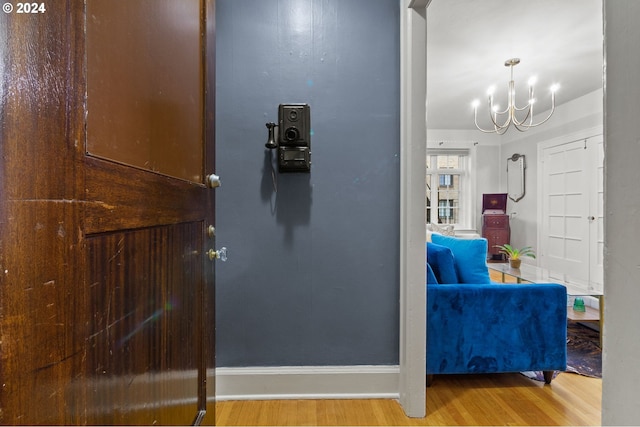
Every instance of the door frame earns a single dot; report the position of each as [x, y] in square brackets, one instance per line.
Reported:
[413, 151]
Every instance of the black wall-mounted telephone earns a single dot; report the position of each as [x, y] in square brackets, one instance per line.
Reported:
[294, 137]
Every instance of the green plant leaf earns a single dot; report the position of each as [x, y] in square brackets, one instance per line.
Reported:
[513, 253]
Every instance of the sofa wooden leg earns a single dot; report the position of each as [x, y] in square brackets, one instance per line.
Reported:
[429, 380]
[548, 376]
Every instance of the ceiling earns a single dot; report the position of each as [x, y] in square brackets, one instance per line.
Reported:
[468, 41]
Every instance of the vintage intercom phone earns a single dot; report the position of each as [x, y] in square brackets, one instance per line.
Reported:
[292, 137]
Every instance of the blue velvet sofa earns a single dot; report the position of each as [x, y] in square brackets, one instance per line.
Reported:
[476, 326]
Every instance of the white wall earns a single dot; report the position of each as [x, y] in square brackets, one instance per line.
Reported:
[488, 168]
[621, 354]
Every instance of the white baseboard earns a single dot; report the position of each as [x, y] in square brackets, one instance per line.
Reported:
[307, 382]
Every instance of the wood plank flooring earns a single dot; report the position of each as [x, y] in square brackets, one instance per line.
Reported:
[498, 399]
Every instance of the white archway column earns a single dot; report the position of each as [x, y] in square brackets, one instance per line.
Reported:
[413, 137]
[621, 346]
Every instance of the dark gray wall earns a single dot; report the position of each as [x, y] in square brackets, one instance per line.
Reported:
[313, 270]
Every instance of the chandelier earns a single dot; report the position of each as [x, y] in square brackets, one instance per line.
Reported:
[501, 120]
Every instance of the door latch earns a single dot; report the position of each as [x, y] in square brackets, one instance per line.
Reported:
[220, 254]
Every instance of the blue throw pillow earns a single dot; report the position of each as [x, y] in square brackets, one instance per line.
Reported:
[431, 278]
[470, 257]
[442, 262]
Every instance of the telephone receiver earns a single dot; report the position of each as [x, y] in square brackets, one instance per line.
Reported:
[271, 141]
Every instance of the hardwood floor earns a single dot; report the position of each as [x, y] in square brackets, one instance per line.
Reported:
[499, 399]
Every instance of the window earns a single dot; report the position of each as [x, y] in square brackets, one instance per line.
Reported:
[448, 188]
[445, 180]
[445, 211]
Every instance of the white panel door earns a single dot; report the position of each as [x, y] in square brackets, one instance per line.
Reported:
[565, 205]
[572, 222]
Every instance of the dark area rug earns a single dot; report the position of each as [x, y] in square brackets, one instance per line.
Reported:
[584, 355]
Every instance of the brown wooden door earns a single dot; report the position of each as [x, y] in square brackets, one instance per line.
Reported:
[107, 137]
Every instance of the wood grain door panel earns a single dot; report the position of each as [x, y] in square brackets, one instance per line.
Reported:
[144, 84]
[145, 290]
[120, 197]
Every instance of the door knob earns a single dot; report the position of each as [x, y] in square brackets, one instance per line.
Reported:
[213, 181]
[220, 254]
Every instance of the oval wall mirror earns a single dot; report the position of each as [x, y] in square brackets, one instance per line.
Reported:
[515, 177]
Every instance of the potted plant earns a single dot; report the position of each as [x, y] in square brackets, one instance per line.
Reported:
[515, 255]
